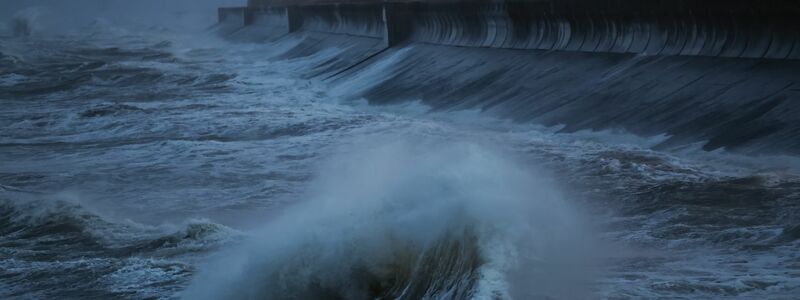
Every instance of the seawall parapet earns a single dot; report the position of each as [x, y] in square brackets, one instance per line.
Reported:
[741, 29]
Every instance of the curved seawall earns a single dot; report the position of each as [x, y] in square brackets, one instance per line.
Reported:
[535, 25]
[721, 74]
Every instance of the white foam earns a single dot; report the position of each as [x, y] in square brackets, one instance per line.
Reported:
[385, 196]
[373, 74]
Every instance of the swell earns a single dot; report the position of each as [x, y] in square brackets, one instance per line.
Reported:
[57, 249]
[71, 70]
[56, 229]
[659, 202]
[73, 140]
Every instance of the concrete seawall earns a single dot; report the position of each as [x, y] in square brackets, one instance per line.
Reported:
[722, 73]
[741, 29]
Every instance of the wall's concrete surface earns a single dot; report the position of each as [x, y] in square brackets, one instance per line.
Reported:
[725, 73]
[592, 6]
[359, 20]
[743, 28]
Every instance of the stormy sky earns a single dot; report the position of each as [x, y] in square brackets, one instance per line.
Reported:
[72, 14]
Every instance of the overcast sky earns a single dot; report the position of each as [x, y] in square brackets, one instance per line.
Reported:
[155, 12]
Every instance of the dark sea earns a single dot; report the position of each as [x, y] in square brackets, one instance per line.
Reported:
[158, 164]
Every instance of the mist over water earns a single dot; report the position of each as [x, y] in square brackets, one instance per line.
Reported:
[53, 18]
[411, 219]
[142, 157]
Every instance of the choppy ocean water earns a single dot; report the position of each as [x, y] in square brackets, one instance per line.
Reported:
[159, 165]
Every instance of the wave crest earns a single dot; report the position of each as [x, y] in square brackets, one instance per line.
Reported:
[45, 225]
[398, 220]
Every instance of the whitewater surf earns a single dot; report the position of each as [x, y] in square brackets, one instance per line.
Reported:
[150, 158]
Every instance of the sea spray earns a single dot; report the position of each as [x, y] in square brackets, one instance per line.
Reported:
[407, 219]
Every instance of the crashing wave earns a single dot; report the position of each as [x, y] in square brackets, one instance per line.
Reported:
[28, 21]
[21, 27]
[403, 221]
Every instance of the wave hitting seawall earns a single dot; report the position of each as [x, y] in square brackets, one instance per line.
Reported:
[715, 74]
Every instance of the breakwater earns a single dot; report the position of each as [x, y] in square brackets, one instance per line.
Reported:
[718, 74]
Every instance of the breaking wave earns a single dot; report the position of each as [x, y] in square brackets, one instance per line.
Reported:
[53, 248]
[41, 221]
[410, 220]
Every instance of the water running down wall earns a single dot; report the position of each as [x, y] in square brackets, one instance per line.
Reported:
[724, 74]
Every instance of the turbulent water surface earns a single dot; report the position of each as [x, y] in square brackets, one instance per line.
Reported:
[145, 166]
